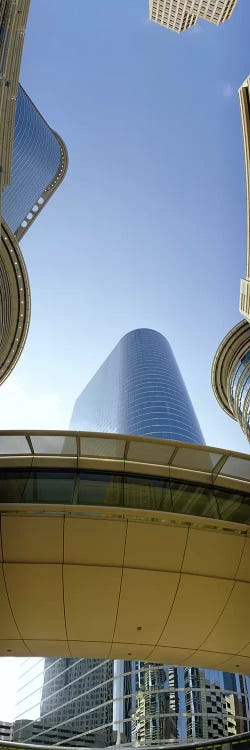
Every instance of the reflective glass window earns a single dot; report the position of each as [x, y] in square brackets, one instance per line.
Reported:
[193, 500]
[12, 485]
[233, 506]
[36, 160]
[100, 489]
[48, 486]
[147, 492]
[144, 392]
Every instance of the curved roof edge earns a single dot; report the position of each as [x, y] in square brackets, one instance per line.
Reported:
[14, 302]
[231, 349]
[35, 210]
[125, 453]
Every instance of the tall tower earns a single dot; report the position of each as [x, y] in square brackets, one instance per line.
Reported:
[39, 163]
[138, 390]
[231, 365]
[180, 15]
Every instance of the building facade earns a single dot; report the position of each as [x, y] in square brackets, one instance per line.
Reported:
[33, 161]
[231, 375]
[244, 99]
[180, 15]
[39, 163]
[13, 20]
[138, 390]
[231, 365]
[14, 302]
[5, 730]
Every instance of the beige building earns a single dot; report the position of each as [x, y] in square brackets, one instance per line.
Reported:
[244, 95]
[25, 162]
[13, 20]
[180, 15]
[231, 365]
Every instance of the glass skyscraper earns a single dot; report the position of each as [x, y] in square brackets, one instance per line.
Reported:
[138, 390]
[39, 161]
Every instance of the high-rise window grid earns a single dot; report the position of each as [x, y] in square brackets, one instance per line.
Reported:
[180, 15]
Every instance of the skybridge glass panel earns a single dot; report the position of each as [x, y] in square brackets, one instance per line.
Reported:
[50, 487]
[147, 492]
[193, 499]
[233, 506]
[97, 488]
[100, 489]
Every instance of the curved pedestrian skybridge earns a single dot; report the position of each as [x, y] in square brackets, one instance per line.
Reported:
[117, 546]
[123, 471]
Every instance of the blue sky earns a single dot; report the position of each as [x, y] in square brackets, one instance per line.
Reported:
[149, 226]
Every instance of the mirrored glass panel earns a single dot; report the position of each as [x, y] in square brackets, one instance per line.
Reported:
[100, 489]
[193, 499]
[233, 506]
[13, 484]
[48, 486]
[147, 492]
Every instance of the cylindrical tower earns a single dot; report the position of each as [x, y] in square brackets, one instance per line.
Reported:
[139, 390]
[231, 375]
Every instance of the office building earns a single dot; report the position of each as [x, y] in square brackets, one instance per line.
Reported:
[33, 161]
[5, 730]
[138, 390]
[180, 15]
[13, 20]
[231, 365]
[244, 99]
[14, 302]
[14, 285]
[231, 375]
[39, 163]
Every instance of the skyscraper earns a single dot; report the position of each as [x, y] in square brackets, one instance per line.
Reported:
[231, 375]
[231, 365]
[39, 163]
[180, 15]
[13, 20]
[138, 390]
[14, 284]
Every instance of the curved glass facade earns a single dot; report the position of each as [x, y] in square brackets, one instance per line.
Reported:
[36, 160]
[239, 392]
[70, 702]
[144, 392]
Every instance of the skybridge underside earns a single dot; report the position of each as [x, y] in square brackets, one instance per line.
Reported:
[124, 585]
[115, 546]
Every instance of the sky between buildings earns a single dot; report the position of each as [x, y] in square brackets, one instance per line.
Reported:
[149, 226]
